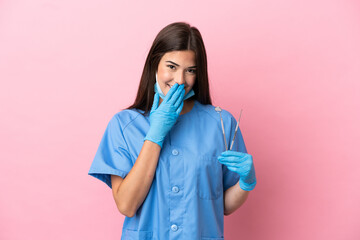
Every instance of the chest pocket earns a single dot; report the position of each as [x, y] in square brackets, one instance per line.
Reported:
[209, 177]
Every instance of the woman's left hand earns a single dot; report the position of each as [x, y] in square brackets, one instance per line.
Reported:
[241, 163]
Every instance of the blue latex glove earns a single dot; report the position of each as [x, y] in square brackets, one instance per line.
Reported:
[241, 163]
[163, 117]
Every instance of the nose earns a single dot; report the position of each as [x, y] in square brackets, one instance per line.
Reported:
[180, 79]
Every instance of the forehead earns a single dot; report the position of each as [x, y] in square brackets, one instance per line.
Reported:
[185, 57]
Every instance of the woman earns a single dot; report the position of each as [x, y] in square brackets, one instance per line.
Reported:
[164, 156]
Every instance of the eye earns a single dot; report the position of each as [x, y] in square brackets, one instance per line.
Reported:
[193, 70]
[170, 66]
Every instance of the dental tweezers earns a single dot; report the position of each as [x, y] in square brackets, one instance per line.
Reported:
[218, 109]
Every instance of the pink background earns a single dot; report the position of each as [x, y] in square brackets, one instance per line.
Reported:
[293, 66]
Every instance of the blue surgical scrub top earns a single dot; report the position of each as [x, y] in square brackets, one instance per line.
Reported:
[185, 200]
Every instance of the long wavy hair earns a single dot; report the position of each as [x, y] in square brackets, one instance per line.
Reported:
[176, 36]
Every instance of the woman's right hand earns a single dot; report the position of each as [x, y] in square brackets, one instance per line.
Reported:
[163, 117]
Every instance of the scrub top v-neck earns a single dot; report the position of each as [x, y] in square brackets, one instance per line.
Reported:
[185, 200]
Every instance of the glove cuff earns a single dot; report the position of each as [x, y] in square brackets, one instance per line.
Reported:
[159, 142]
[247, 186]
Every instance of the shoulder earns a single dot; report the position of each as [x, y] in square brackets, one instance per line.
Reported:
[125, 117]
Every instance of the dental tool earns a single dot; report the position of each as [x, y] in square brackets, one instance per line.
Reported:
[218, 109]
[237, 126]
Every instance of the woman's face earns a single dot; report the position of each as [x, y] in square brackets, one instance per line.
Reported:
[177, 67]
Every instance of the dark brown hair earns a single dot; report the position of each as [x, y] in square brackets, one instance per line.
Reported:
[176, 36]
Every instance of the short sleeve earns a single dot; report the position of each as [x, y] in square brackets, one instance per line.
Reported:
[112, 156]
[230, 178]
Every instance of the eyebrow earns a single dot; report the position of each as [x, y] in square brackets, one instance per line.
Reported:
[179, 65]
